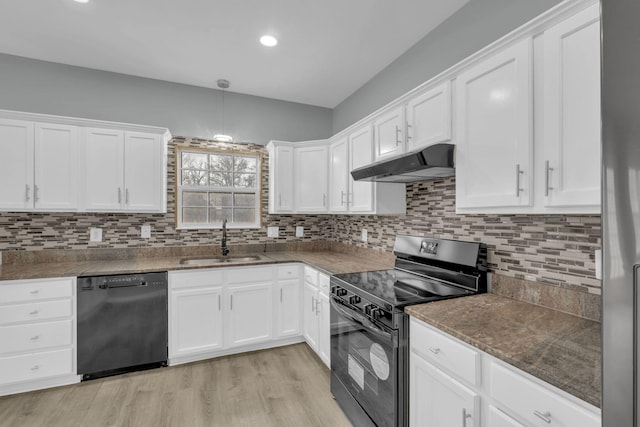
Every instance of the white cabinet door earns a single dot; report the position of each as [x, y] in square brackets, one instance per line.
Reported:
[103, 167]
[388, 131]
[438, 400]
[281, 172]
[339, 176]
[16, 165]
[288, 308]
[360, 154]
[429, 117]
[56, 166]
[309, 307]
[311, 182]
[143, 172]
[324, 336]
[572, 111]
[494, 155]
[195, 321]
[250, 314]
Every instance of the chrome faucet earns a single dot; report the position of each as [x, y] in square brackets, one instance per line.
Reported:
[223, 246]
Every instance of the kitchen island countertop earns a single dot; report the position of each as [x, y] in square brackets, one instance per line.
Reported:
[558, 348]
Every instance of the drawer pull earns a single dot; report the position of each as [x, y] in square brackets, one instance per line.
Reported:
[35, 292]
[544, 416]
[35, 367]
[33, 313]
[464, 417]
[35, 338]
[434, 350]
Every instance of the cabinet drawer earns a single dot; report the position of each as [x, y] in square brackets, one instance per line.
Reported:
[324, 281]
[36, 290]
[37, 365]
[536, 405]
[497, 418]
[35, 311]
[190, 279]
[311, 276]
[35, 336]
[250, 274]
[445, 352]
[288, 271]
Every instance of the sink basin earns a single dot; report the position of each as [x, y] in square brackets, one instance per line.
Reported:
[219, 260]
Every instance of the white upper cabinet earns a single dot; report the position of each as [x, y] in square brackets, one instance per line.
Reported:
[571, 144]
[311, 168]
[429, 117]
[494, 130]
[389, 134]
[16, 165]
[124, 171]
[361, 198]
[339, 175]
[56, 167]
[280, 178]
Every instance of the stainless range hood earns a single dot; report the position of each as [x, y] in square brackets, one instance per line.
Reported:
[435, 161]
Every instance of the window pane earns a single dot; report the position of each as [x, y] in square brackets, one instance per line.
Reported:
[244, 180]
[244, 199]
[245, 164]
[194, 160]
[221, 179]
[191, 177]
[244, 215]
[191, 198]
[219, 214]
[220, 199]
[194, 215]
[221, 163]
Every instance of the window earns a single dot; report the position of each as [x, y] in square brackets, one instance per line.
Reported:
[213, 186]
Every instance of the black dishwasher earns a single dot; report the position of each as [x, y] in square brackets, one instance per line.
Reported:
[122, 323]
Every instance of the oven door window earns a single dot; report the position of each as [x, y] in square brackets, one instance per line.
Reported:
[364, 356]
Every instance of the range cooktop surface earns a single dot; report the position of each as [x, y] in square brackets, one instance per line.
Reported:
[400, 288]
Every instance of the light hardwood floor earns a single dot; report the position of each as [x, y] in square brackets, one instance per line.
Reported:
[286, 386]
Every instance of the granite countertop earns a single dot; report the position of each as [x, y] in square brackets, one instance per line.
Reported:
[558, 348]
[326, 261]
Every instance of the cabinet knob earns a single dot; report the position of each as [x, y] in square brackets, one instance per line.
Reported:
[434, 350]
[35, 367]
[35, 292]
[35, 338]
[33, 313]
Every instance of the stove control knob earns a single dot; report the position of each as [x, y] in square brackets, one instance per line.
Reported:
[354, 299]
[369, 308]
[340, 292]
[377, 313]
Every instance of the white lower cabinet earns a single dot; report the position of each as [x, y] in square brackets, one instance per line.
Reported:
[220, 311]
[482, 391]
[37, 334]
[316, 309]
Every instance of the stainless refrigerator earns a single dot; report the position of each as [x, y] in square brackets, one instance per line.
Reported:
[620, 211]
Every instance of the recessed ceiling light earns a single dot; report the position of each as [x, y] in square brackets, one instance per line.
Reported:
[268, 41]
[81, 1]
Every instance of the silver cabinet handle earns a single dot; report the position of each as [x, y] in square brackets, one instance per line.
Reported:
[280, 294]
[434, 350]
[547, 170]
[398, 131]
[35, 338]
[313, 304]
[33, 313]
[317, 311]
[342, 193]
[26, 194]
[465, 416]
[280, 200]
[35, 367]
[324, 200]
[518, 173]
[119, 195]
[35, 292]
[231, 302]
[544, 416]
[219, 302]
[408, 133]
[36, 197]
[126, 196]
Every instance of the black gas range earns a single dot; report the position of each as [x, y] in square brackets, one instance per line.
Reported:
[370, 331]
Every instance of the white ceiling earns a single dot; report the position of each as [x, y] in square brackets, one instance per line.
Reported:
[327, 48]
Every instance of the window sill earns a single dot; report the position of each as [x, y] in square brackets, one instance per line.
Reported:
[218, 227]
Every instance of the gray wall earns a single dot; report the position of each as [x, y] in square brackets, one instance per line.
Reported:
[474, 26]
[50, 88]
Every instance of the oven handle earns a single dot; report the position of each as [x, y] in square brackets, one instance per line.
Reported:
[366, 323]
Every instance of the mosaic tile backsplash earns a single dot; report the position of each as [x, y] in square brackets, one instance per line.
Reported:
[552, 249]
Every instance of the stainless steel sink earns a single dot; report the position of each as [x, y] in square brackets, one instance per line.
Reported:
[219, 260]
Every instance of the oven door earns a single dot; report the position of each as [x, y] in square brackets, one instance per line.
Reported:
[364, 357]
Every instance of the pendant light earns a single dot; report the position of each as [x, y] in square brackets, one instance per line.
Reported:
[222, 84]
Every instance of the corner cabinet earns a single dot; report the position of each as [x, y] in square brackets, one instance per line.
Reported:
[64, 164]
[494, 158]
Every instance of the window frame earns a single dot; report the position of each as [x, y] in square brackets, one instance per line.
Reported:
[180, 189]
